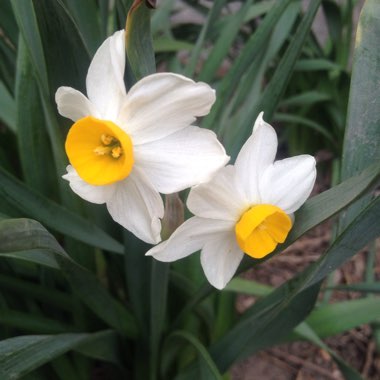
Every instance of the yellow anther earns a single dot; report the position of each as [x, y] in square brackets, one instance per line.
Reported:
[116, 152]
[102, 150]
[107, 139]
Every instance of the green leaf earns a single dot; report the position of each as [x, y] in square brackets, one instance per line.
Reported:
[102, 345]
[33, 140]
[8, 108]
[165, 44]
[259, 9]
[52, 297]
[264, 324]
[250, 287]
[8, 22]
[139, 42]
[223, 43]
[29, 322]
[196, 52]
[23, 354]
[20, 235]
[65, 53]
[306, 332]
[244, 61]
[158, 307]
[27, 23]
[88, 22]
[208, 368]
[271, 97]
[362, 139]
[361, 287]
[306, 98]
[336, 318]
[34, 205]
[316, 65]
[295, 119]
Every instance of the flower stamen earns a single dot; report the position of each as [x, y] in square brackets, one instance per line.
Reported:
[110, 145]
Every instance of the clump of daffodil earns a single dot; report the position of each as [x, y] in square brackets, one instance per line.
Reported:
[246, 208]
[126, 148]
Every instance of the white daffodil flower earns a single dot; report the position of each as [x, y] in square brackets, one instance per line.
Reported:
[245, 208]
[126, 148]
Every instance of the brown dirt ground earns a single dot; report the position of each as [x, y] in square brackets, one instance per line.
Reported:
[302, 360]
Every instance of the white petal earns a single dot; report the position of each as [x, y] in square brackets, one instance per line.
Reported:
[220, 198]
[163, 103]
[188, 238]
[104, 83]
[73, 104]
[220, 258]
[288, 183]
[255, 156]
[183, 159]
[138, 207]
[90, 193]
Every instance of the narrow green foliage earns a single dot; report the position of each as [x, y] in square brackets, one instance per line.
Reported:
[306, 332]
[53, 215]
[33, 140]
[208, 369]
[20, 235]
[21, 355]
[361, 140]
[139, 42]
[8, 108]
[274, 90]
[336, 318]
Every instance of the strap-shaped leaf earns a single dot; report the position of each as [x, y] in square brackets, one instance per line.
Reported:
[362, 137]
[27, 23]
[8, 108]
[139, 43]
[244, 61]
[25, 236]
[336, 318]
[208, 369]
[33, 140]
[54, 216]
[306, 332]
[271, 97]
[23, 354]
